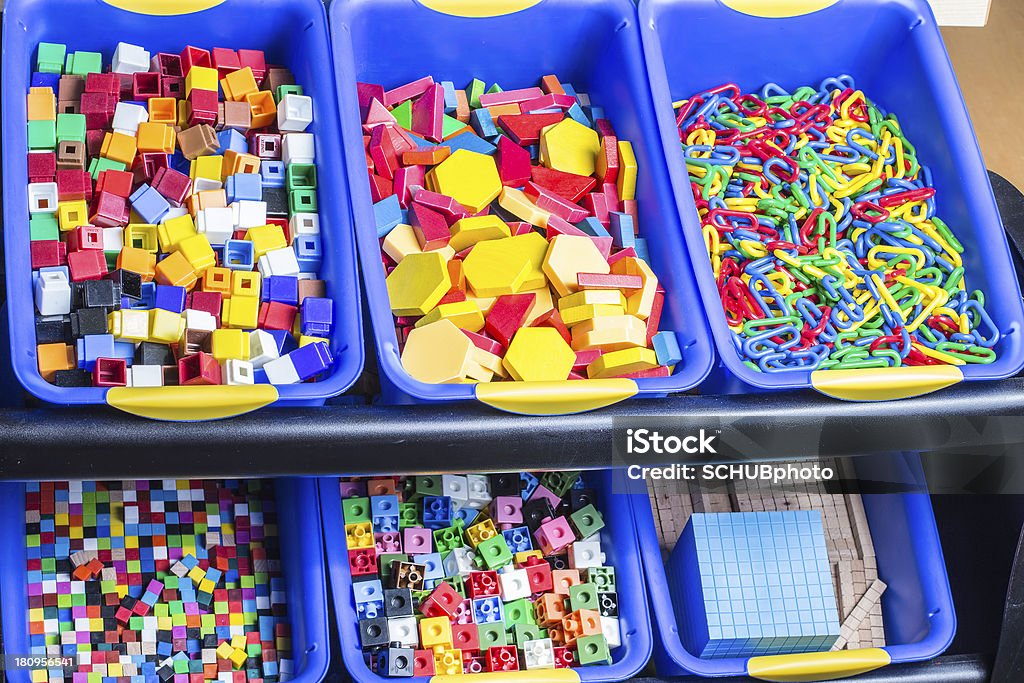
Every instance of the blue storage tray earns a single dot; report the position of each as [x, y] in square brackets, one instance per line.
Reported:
[595, 45]
[293, 33]
[895, 53]
[618, 541]
[917, 606]
[302, 562]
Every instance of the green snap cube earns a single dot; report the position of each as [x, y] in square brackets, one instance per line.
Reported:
[71, 127]
[524, 632]
[425, 486]
[408, 515]
[83, 63]
[302, 201]
[356, 510]
[300, 177]
[283, 90]
[583, 596]
[43, 226]
[494, 552]
[593, 650]
[50, 58]
[492, 635]
[519, 612]
[100, 164]
[42, 135]
[587, 521]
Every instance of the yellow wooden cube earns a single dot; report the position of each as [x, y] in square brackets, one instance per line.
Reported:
[435, 632]
[571, 147]
[640, 301]
[237, 84]
[539, 354]
[470, 178]
[232, 343]
[197, 250]
[241, 311]
[245, 283]
[166, 326]
[155, 137]
[201, 78]
[626, 182]
[401, 242]
[567, 257]
[239, 656]
[465, 314]
[224, 650]
[468, 231]
[418, 283]
[437, 353]
[522, 207]
[622, 362]
[119, 147]
[266, 238]
[609, 333]
[71, 215]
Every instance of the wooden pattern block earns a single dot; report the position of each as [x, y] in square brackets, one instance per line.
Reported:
[466, 232]
[465, 314]
[609, 333]
[437, 353]
[400, 242]
[470, 178]
[570, 147]
[568, 256]
[539, 354]
[641, 301]
[496, 268]
[622, 362]
[417, 284]
[522, 207]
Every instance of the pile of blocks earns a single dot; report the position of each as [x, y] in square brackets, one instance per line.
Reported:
[475, 573]
[175, 238]
[156, 581]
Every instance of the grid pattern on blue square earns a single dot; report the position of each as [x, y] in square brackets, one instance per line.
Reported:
[747, 584]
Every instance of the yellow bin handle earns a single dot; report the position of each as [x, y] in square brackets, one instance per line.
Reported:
[885, 384]
[190, 404]
[164, 8]
[817, 666]
[555, 398]
[776, 9]
[533, 676]
[478, 8]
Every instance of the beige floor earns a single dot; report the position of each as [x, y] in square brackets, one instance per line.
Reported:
[989, 64]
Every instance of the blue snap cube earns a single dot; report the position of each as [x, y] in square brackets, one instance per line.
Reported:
[437, 511]
[530, 484]
[272, 173]
[231, 139]
[317, 314]
[466, 515]
[170, 298]
[488, 610]
[239, 254]
[310, 360]
[244, 186]
[93, 346]
[518, 539]
[748, 584]
[284, 289]
[368, 591]
[433, 567]
[149, 204]
[308, 253]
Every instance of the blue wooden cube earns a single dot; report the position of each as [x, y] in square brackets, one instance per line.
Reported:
[746, 584]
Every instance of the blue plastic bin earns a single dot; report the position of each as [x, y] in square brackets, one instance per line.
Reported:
[895, 53]
[618, 541]
[293, 33]
[302, 567]
[593, 44]
[917, 606]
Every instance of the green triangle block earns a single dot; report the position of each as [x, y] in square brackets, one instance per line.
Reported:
[403, 114]
[494, 88]
[473, 92]
[450, 125]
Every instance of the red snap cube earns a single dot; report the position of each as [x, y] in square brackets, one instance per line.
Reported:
[115, 182]
[46, 253]
[198, 369]
[73, 185]
[42, 167]
[88, 264]
[112, 372]
[276, 316]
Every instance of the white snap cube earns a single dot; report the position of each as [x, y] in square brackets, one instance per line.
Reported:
[204, 184]
[459, 562]
[247, 213]
[515, 584]
[279, 262]
[127, 117]
[129, 59]
[479, 491]
[298, 148]
[146, 376]
[281, 371]
[262, 348]
[610, 630]
[583, 554]
[199, 320]
[53, 291]
[134, 324]
[539, 654]
[403, 630]
[237, 372]
[304, 224]
[42, 197]
[174, 212]
[218, 224]
[113, 239]
[294, 113]
[455, 487]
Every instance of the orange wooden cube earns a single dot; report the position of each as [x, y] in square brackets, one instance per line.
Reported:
[155, 137]
[138, 261]
[54, 357]
[217, 279]
[176, 270]
[263, 108]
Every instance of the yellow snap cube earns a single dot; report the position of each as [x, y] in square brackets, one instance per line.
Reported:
[198, 252]
[359, 535]
[201, 78]
[70, 215]
[217, 279]
[448, 662]
[266, 238]
[207, 586]
[129, 324]
[176, 270]
[418, 283]
[165, 326]
[468, 231]
[470, 178]
[237, 84]
[155, 137]
[622, 362]
[571, 147]
[465, 314]
[241, 311]
[478, 533]
[207, 167]
[539, 354]
[225, 344]
[567, 257]
[119, 147]
[437, 353]
[142, 236]
[171, 233]
[435, 632]
[245, 283]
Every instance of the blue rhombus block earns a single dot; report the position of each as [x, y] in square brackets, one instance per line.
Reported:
[746, 584]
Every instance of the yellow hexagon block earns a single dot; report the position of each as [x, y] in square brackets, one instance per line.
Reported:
[465, 314]
[438, 353]
[609, 333]
[468, 231]
[567, 257]
[533, 246]
[571, 147]
[418, 283]
[469, 178]
[638, 303]
[624, 362]
[496, 267]
[539, 354]
[519, 205]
